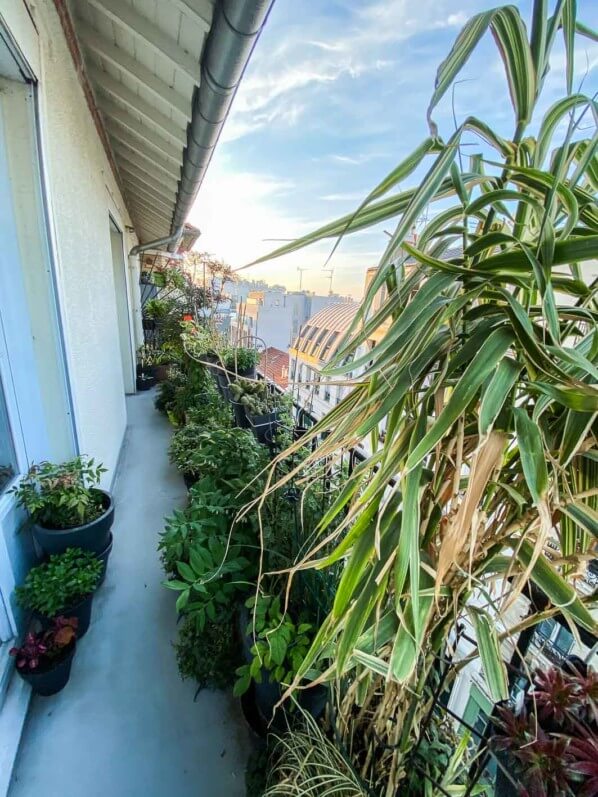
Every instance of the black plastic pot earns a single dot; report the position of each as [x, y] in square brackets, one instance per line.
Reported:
[264, 426]
[190, 479]
[103, 556]
[259, 705]
[50, 681]
[246, 373]
[148, 324]
[221, 381]
[145, 382]
[93, 536]
[159, 373]
[81, 610]
[241, 419]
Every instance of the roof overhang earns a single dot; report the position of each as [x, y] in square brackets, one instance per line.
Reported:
[160, 78]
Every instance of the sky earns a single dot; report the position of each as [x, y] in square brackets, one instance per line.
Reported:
[335, 95]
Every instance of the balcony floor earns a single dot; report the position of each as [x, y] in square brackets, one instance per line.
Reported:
[126, 725]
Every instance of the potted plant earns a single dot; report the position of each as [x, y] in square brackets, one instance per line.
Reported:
[45, 657]
[274, 647]
[64, 585]
[550, 744]
[241, 362]
[154, 363]
[256, 407]
[66, 506]
[181, 450]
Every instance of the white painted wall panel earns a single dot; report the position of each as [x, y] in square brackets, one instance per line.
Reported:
[83, 192]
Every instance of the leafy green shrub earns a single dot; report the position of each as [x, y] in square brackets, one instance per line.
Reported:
[229, 455]
[158, 309]
[210, 512]
[62, 496]
[240, 359]
[191, 388]
[210, 655]
[280, 644]
[182, 447]
[60, 583]
[216, 573]
[209, 410]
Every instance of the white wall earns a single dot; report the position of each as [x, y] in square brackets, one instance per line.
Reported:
[83, 192]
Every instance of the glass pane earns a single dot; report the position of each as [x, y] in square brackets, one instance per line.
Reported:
[7, 452]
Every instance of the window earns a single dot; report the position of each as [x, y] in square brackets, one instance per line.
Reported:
[326, 392]
[7, 452]
[317, 384]
[331, 340]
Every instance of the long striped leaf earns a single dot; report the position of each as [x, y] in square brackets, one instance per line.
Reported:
[531, 451]
[583, 515]
[478, 370]
[556, 589]
[496, 393]
[489, 650]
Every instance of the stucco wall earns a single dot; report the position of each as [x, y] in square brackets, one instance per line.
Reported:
[83, 192]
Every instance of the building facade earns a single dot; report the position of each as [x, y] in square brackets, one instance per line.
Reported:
[275, 316]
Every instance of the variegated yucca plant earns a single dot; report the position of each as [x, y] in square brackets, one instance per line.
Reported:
[484, 380]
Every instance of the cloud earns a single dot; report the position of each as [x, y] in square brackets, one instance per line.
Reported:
[291, 66]
[348, 196]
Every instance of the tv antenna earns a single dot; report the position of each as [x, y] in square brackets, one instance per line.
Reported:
[329, 271]
[301, 269]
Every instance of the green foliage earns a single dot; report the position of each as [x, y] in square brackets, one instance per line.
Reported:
[305, 761]
[62, 496]
[210, 655]
[280, 644]
[190, 394]
[60, 583]
[444, 756]
[254, 395]
[240, 359]
[201, 339]
[183, 445]
[158, 309]
[208, 583]
[152, 355]
[229, 455]
[210, 512]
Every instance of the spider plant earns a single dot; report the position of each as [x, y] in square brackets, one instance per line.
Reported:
[484, 381]
[308, 763]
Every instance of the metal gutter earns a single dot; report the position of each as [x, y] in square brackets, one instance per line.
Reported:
[171, 240]
[235, 30]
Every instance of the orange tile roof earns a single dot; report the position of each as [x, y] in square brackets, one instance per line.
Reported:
[274, 365]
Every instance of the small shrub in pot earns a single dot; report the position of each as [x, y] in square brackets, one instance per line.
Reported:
[67, 507]
[241, 361]
[64, 585]
[44, 659]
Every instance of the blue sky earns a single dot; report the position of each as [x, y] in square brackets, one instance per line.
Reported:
[334, 97]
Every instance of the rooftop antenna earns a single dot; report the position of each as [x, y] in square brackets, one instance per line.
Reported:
[329, 271]
[301, 269]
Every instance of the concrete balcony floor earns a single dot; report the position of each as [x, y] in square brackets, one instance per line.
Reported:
[126, 725]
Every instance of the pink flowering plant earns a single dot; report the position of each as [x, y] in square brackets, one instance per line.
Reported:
[41, 649]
